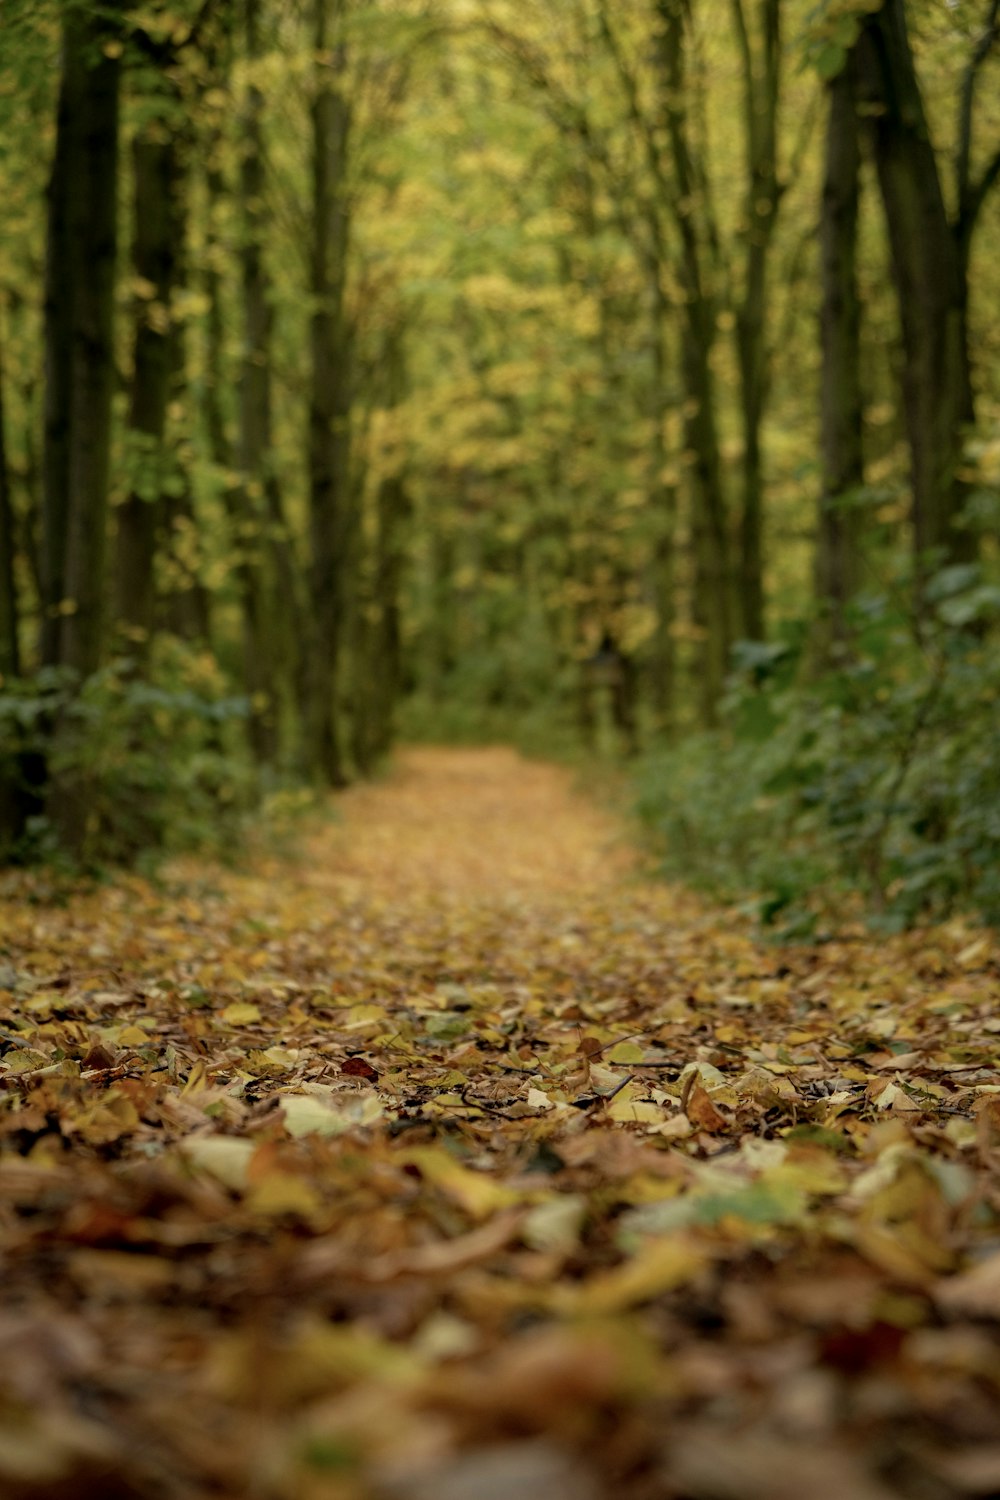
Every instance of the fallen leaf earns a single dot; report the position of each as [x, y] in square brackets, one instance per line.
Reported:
[701, 1111]
[240, 1013]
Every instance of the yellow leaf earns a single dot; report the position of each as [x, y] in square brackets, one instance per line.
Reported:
[110, 1118]
[278, 1193]
[312, 1114]
[477, 1193]
[626, 1052]
[912, 1264]
[223, 1157]
[23, 1061]
[661, 1265]
[133, 1036]
[629, 1107]
[363, 1017]
[240, 1013]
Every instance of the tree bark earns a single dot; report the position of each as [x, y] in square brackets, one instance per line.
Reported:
[10, 622]
[713, 603]
[377, 663]
[663, 506]
[928, 272]
[761, 89]
[377, 656]
[79, 348]
[186, 608]
[12, 809]
[81, 248]
[253, 455]
[155, 259]
[840, 380]
[329, 400]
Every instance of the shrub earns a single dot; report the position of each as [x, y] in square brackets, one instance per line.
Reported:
[880, 778]
[151, 763]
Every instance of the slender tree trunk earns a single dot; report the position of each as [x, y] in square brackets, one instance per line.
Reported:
[713, 602]
[186, 606]
[11, 797]
[155, 259]
[377, 658]
[840, 323]
[29, 388]
[81, 246]
[440, 642]
[253, 455]
[928, 272]
[220, 444]
[10, 621]
[761, 87]
[22, 763]
[79, 348]
[663, 504]
[972, 189]
[329, 402]
[249, 578]
[393, 509]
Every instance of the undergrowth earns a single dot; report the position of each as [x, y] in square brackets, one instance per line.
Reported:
[876, 782]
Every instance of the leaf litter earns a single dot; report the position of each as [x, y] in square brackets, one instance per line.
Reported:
[457, 1159]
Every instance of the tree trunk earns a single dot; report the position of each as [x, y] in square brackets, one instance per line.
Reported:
[10, 622]
[29, 386]
[79, 348]
[712, 605]
[186, 606]
[13, 809]
[155, 259]
[663, 505]
[377, 657]
[329, 401]
[438, 642]
[761, 84]
[11, 800]
[837, 548]
[378, 661]
[253, 456]
[927, 269]
[81, 248]
[393, 510]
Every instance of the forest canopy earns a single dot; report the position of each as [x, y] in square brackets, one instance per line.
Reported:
[593, 374]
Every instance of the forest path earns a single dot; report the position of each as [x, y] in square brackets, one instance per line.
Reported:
[453, 1158]
[484, 821]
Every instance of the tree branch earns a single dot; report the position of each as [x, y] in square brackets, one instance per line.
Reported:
[966, 101]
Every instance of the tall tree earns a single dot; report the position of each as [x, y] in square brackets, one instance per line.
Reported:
[254, 456]
[664, 498]
[377, 605]
[713, 598]
[11, 790]
[156, 248]
[10, 623]
[79, 346]
[329, 395]
[760, 60]
[837, 545]
[929, 252]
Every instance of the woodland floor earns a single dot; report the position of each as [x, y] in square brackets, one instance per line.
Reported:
[455, 1160]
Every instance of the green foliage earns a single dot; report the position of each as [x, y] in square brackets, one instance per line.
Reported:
[880, 779]
[831, 31]
[157, 764]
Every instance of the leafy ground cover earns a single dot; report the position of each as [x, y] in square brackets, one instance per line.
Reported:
[457, 1159]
